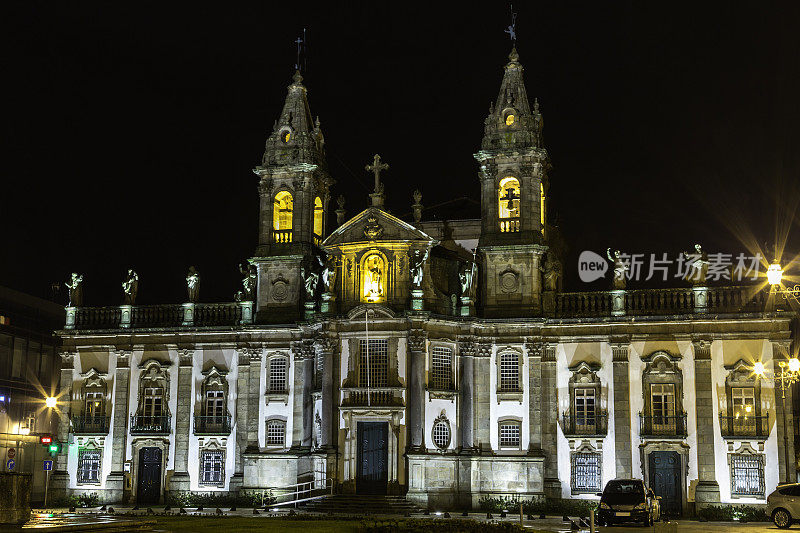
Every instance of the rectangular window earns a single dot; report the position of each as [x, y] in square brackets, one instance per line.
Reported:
[153, 403]
[212, 468]
[374, 363]
[277, 374]
[215, 406]
[441, 368]
[585, 422]
[747, 475]
[586, 473]
[94, 405]
[89, 466]
[509, 435]
[276, 433]
[662, 396]
[509, 371]
[5, 355]
[32, 359]
[744, 410]
[44, 366]
[20, 346]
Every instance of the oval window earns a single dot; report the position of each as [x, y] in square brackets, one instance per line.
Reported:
[509, 119]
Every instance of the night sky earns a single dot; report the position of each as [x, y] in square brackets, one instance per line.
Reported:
[130, 134]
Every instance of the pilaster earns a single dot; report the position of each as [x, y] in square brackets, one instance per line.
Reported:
[535, 397]
[707, 490]
[783, 411]
[466, 360]
[180, 480]
[620, 353]
[416, 397]
[60, 479]
[552, 485]
[483, 393]
[119, 424]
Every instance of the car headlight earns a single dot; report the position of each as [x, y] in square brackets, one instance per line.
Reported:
[642, 506]
[604, 505]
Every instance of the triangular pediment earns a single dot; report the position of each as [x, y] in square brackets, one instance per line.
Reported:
[375, 225]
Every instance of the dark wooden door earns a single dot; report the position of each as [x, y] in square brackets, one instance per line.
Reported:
[149, 484]
[665, 480]
[373, 458]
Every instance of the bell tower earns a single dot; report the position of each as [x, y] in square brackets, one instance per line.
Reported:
[513, 176]
[294, 191]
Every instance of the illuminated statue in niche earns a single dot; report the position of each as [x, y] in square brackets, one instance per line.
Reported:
[130, 287]
[311, 279]
[329, 274]
[75, 290]
[249, 278]
[416, 268]
[551, 273]
[373, 278]
[193, 284]
[466, 276]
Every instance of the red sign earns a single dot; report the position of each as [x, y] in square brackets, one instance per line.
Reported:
[11, 453]
[45, 439]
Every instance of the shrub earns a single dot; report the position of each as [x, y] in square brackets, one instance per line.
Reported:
[538, 506]
[217, 499]
[729, 513]
[76, 500]
[454, 525]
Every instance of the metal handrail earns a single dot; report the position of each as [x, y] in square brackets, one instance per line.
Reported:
[305, 488]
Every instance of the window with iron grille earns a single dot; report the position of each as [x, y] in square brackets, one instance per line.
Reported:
[89, 466]
[441, 368]
[276, 433]
[509, 434]
[509, 371]
[212, 468]
[277, 374]
[747, 475]
[374, 373]
[441, 434]
[586, 473]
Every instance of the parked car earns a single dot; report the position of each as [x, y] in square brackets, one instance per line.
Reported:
[628, 500]
[783, 505]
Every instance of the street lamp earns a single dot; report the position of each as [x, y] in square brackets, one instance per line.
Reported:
[774, 274]
[50, 402]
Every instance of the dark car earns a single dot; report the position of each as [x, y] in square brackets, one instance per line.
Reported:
[628, 500]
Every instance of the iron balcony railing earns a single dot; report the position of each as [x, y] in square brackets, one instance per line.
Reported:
[593, 424]
[662, 426]
[150, 424]
[212, 425]
[90, 425]
[744, 425]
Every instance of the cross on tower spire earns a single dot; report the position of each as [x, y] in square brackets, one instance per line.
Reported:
[376, 167]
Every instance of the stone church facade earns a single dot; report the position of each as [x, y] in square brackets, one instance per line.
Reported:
[440, 360]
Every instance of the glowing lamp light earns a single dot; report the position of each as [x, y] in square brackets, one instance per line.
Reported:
[794, 364]
[50, 402]
[774, 274]
[758, 368]
[25, 431]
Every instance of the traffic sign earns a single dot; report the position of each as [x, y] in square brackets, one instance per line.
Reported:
[11, 453]
[47, 465]
[10, 464]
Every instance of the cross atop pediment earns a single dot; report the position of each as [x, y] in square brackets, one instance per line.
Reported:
[376, 167]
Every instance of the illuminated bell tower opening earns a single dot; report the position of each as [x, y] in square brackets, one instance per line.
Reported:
[513, 176]
[294, 192]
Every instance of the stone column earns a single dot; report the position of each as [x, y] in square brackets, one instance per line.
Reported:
[252, 395]
[328, 400]
[622, 409]
[552, 485]
[115, 481]
[303, 355]
[308, 396]
[535, 398]
[707, 490]
[242, 409]
[783, 411]
[466, 359]
[482, 397]
[416, 390]
[60, 477]
[180, 478]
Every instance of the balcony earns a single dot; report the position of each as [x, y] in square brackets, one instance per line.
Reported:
[150, 425]
[651, 426]
[595, 425]
[281, 236]
[212, 425]
[509, 225]
[374, 397]
[90, 425]
[738, 426]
